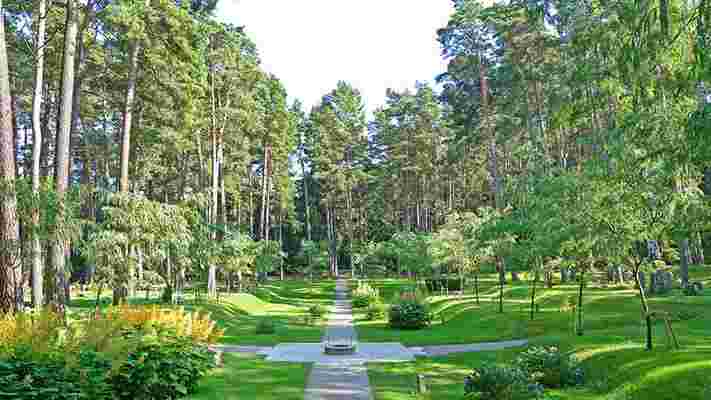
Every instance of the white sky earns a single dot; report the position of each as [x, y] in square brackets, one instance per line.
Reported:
[373, 44]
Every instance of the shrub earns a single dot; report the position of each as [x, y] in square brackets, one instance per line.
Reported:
[27, 376]
[196, 325]
[106, 357]
[551, 368]
[265, 326]
[364, 295]
[409, 314]
[435, 285]
[694, 289]
[32, 332]
[317, 311]
[375, 311]
[493, 382]
[165, 369]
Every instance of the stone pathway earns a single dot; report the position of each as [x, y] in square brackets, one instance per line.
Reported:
[225, 348]
[344, 380]
[434, 351]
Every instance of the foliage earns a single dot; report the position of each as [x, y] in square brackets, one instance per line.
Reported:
[27, 376]
[195, 326]
[550, 367]
[364, 295]
[409, 312]
[128, 352]
[166, 369]
[694, 289]
[501, 382]
[317, 311]
[376, 310]
[265, 326]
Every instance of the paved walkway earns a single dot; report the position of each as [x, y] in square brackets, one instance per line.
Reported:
[345, 380]
[433, 351]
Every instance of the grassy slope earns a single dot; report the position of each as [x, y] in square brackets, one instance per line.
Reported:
[286, 303]
[612, 351]
[246, 377]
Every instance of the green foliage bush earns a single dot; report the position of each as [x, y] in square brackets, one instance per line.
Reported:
[694, 289]
[505, 382]
[409, 314]
[375, 311]
[265, 326]
[27, 376]
[317, 311]
[435, 285]
[364, 295]
[162, 370]
[551, 368]
[139, 354]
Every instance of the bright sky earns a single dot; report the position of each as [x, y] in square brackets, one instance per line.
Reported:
[373, 44]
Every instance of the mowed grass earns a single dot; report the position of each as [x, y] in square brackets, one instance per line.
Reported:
[611, 349]
[248, 377]
[286, 303]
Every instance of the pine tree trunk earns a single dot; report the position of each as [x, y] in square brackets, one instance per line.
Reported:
[134, 51]
[55, 290]
[307, 204]
[8, 200]
[37, 99]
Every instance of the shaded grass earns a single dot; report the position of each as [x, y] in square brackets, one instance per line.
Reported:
[247, 377]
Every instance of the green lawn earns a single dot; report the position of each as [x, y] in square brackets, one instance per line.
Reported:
[285, 302]
[247, 377]
[616, 364]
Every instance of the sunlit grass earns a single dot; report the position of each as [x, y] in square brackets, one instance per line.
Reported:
[246, 377]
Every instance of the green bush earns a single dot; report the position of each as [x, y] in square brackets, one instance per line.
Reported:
[435, 285]
[163, 370]
[364, 295]
[375, 311]
[494, 382]
[694, 289]
[551, 368]
[26, 376]
[317, 311]
[265, 326]
[409, 314]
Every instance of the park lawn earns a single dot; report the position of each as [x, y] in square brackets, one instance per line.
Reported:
[285, 302]
[249, 377]
[617, 366]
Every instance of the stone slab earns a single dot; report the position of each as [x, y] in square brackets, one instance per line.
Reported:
[314, 353]
[334, 382]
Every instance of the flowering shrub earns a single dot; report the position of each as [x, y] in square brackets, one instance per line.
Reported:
[195, 325]
[141, 353]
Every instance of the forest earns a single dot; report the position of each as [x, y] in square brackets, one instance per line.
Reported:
[144, 148]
